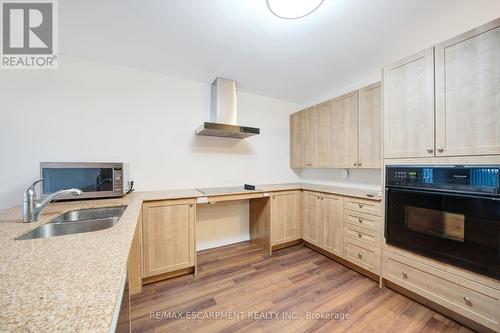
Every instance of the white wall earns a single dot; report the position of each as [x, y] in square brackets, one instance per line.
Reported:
[87, 111]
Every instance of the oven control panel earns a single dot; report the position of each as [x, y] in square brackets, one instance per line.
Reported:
[480, 179]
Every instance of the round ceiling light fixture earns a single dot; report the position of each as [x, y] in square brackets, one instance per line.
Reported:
[293, 9]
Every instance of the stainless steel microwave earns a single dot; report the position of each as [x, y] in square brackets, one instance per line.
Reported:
[96, 180]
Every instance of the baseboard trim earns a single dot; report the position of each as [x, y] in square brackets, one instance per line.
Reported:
[169, 275]
[286, 244]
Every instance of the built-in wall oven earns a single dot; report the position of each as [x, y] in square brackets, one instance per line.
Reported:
[448, 213]
[96, 180]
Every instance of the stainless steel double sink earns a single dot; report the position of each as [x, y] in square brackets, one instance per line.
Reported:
[78, 221]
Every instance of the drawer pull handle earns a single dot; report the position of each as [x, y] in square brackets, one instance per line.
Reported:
[360, 235]
[467, 300]
[405, 275]
[360, 256]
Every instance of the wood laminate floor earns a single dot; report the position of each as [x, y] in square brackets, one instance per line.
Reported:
[250, 292]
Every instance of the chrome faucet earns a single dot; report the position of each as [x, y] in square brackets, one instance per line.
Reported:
[32, 206]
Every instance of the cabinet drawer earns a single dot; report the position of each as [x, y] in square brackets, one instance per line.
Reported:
[468, 298]
[363, 220]
[362, 206]
[361, 254]
[364, 235]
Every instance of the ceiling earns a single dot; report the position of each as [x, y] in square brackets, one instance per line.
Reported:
[299, 61]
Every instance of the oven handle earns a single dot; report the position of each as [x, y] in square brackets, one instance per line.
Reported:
[443, 193]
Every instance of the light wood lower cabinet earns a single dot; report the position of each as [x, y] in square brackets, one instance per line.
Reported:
[168, 236]
[314, 222]
[334, 223]
[463, 296]
[285, 217]
[362, 254]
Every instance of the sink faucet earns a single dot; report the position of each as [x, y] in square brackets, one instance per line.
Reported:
[32, 206]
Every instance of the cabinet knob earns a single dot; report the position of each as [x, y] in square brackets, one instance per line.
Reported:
[359, 164]
[467, 300]
[430, 150]
[440, 149]
[405, 275]
[360, 220]
[355, 164]
[360, 235]
[360, 256]
[360, 205]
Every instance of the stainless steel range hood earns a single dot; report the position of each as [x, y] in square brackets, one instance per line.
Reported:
[223, 113]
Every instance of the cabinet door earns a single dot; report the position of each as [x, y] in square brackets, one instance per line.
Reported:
[298, 123]
[334, 224]
[370, 126]
[468, 93]
[285, 217]
[313, 218]
[320, 135]
[345, 131]
[168, 236]
[409, 107]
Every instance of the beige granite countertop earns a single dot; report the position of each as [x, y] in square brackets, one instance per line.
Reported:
[71, 283]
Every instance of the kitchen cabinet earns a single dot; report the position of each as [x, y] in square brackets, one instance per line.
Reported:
[168, 236]
[298, 123]
[370, 126]
[409, 106]
[285, 217]
[310, 137]
[334, 224]
[320, 136]
[468, 93]
[465, 119]
[345, 131]
[314, 222]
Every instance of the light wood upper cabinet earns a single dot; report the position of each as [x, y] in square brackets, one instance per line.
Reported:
[468, 93]
[298, 123]
[370, 126]
[341, 133]
[320, 135]
[334, 223]
[285, 217]
[345, 131]
[409, 107]
[313, 219]
[310, 135]
[168, 236]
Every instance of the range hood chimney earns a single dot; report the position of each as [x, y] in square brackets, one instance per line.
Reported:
[223, 113]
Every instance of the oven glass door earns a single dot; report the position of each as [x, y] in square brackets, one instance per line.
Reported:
[462, 230]
[85, 179]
